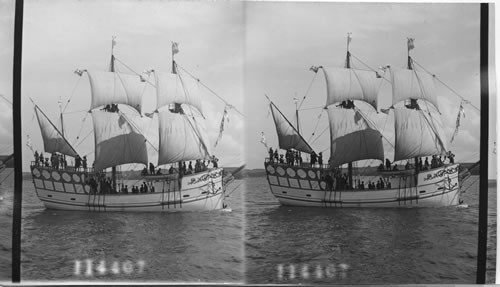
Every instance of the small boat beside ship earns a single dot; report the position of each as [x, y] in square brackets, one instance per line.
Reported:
[355, 138]
[116, 104]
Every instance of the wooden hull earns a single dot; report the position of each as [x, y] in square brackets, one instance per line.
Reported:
[68, 190]
[303, 186]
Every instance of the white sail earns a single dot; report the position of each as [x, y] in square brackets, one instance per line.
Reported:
[117, 141]
[350, 84]
[352, 138]
[288, 136]
[418, 134]
[411, 84]
[115, 88]
[170, 90]
[53, 140]
[181, 138]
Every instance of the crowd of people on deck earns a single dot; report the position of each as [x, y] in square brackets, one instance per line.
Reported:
[294, 158]
[340, 181]
[183, 168]
[436, 161]
[102, 184]
[58, 161]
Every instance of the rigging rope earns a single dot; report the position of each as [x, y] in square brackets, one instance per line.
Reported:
[312, 108]
[317, 123]
[308, 89]
[81, 128]
[125, 65]
[133, 124]
[319, 135]
[373, 124]
[72, 94]
[90, 132]
[3, 97]
[227, 195]
[370, 68]
[75, 112]
[7, 176]
[214, 93]
[444, 84]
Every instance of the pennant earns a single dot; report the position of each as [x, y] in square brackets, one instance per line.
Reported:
[314, 69]
[411, 45]
[461, 113]
[175, 48]
[113, 41]
[28, 143]
[349, 38]
[263, 140]
[78, 72]
[221, 129]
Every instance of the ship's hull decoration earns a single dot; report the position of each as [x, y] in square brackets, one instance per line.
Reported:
[69, 190]
[304, 186]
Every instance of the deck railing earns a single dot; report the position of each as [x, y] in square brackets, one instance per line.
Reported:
[67, 168]
[303, 164]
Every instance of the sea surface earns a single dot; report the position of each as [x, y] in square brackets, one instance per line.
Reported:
[132, 247]
[6, 207]
[292, 245]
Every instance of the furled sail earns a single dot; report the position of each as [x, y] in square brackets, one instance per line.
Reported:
[181, 138]
[115, 88]
[352, 138]
[117, 141]
[288, 136]
[53, 140]
[418, 134]
[411, 84]
[170, 90]
[349, 84]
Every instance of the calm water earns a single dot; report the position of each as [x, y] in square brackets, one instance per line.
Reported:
[363, 246]
[187, 247]
[6, 200]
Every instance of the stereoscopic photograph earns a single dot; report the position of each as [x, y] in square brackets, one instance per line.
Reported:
[363, 153]
[132, 124]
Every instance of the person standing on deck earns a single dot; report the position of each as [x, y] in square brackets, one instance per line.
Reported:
[451, 157]
[313, 159]
[84, 163]
[387, 164]
[271, 153]
[320, 159]
[151, 168]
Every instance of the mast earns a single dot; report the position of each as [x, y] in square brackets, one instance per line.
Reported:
[62, 122]
[348, 66]
[410, 67]
[112, 69]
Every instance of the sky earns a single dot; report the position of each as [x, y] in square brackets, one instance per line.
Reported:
[300, 35]
[62, 36]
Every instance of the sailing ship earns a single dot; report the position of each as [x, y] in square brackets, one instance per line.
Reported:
[116, 102]
[355, 138]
